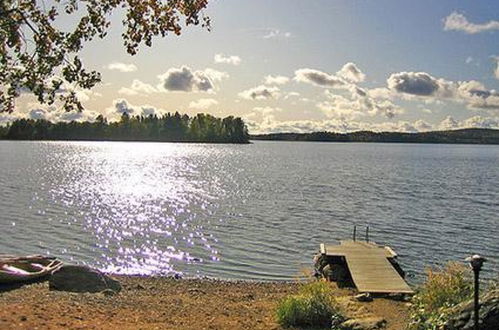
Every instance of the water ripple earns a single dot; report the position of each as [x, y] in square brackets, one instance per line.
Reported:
[246, 212]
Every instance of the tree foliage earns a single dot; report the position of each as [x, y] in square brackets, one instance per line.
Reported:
[168, 128]
[39, 56]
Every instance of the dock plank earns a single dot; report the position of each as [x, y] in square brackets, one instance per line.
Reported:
[369, 266]
[341, 250]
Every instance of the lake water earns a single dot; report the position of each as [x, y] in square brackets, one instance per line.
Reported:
[255, 212]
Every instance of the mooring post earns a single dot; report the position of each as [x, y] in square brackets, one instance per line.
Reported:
[476, 263]
[367, 234]
[354, 232]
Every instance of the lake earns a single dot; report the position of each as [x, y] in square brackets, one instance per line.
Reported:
[253, 212]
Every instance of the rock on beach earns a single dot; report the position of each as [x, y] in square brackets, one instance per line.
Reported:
[74, 278]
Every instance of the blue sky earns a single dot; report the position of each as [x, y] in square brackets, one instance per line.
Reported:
[413, 66]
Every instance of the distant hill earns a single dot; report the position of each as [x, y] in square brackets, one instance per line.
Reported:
[462, 136]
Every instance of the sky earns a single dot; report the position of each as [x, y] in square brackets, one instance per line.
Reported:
[303, 65]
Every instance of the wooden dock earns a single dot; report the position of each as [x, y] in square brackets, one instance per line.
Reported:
[369, 266]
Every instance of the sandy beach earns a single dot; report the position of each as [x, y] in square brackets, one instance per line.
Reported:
[167, 303]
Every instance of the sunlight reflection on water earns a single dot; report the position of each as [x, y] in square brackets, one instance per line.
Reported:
[141, 202]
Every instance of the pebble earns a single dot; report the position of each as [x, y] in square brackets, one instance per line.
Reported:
[108, 292]
[364, 297]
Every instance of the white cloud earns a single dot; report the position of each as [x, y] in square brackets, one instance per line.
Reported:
[85, 115]
[422, 126]
[351, 72]
[480, 122]
[347, 77]
[215, 75]
[333, 125]
[38, 114]
[261, 92]
[266, 110]
[291, 94]
[448, 123]
[121, 106]
[122, 67]
[423, 85]
[53, 114]
[183, 79]
[476, 96]
[6, 117]
[270, 125]
[359, 103]
[277, 34]
[319, 78]
[227, 59]
[127, 91]
[275, 80]
[203, 104]
[458, 22]
[339, 107]
[147, 111]
[496, 70]
[400, 126]
[417, 83]
[142, 87]
[264, 115]
[138, 87]
[433, 101]
[85, 95]
[380, 93]
[82, 94]
[295, 126]
[353, 101]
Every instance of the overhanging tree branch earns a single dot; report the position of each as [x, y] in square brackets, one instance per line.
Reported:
[31, 67]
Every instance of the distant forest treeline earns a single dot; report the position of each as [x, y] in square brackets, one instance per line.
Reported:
[168, 128]
[465, 136]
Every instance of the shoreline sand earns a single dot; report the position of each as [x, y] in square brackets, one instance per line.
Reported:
[168, 303]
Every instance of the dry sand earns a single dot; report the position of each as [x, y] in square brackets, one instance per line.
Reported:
[167, 303]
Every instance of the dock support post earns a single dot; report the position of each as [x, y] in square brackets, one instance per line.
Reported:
[354, 232]
[367, 234]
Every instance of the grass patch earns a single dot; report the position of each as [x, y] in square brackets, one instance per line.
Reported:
[444, 288]
[313, 306]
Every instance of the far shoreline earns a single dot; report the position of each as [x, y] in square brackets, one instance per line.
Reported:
[132, 141]
[472, 136]
[378, 142]
[466, 136]
[252, 141]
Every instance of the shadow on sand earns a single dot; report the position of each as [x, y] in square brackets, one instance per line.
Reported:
[6, 287]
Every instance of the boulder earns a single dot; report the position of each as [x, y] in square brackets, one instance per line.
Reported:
[320, 261]
[365, 323]
[335, 273]
[82, 279]
[462, 315]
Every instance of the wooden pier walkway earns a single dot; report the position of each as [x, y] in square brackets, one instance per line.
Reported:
[369, 266]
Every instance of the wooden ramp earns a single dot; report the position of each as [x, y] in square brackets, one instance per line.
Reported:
[369, 266]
